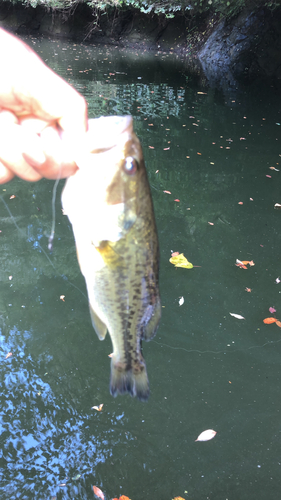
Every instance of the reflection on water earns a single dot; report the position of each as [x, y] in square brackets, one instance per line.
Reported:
[215, 153]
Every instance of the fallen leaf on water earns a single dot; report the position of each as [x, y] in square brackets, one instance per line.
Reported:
[181, 301]
[240, 202]
[268, 321]
[174, 254]
[211, 223]
[123, 497]
[277, 205]
[273, 168]
[268, 176]
[181, 261]
[62, 297]
[9, 355]
[12, 197]
[272, 310]
[151, 147]
[206, 435]
[251, 263]
[201, 93]
[238, 316]
[278, 323]
[180, 498]
[166, 149]
[110, 355]
[98, 408]
[177, 200]
[98, 492]
[248, 289]
[167, 192]
[240, 264]
[277, 280]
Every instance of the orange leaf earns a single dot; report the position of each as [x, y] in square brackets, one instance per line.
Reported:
[245, 262]
[179, 498]
[123, 497]
[278, 323]
[268, 321]
[98, 492]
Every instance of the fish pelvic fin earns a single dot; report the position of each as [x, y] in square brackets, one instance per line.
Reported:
[129, 379]
[150, 328]
[99, 326]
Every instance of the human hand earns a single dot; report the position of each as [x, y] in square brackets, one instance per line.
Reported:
[42, 118]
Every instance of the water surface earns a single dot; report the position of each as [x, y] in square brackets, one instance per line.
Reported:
[207, 369]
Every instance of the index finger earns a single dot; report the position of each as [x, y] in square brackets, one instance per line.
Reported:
[29, 87]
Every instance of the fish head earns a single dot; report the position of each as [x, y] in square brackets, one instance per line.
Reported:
[103, 194]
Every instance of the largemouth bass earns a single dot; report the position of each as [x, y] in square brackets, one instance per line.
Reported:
[109, 205]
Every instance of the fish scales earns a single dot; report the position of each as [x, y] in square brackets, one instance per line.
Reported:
[109, 204]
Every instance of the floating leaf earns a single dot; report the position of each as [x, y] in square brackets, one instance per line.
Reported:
[98, 492]
[277, 280]
[240, 264]
[98, 408]
[181, 301]
[269, 321]
[167, 192]
[206, 435]
[272, 310]
[123, 497]
[62, 297]
[277, 205]
[174, 254]
[278, 323]
[238, 316]
[181, 261]
[9, 355]
[248, 289]
[180, 498]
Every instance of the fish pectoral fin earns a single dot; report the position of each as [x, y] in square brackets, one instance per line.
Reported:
[99, 326]
[150, 328]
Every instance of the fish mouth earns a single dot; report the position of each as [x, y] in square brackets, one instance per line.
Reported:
[104, 132]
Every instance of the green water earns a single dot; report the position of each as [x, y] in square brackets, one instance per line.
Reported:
[207, 369]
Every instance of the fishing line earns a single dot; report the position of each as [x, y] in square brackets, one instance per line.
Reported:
[51, 237]
[218, 352]
[52, 234]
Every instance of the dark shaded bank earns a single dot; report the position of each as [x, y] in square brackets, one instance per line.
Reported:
[225, 52]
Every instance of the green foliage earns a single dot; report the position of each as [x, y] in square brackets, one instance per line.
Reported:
[227, 8]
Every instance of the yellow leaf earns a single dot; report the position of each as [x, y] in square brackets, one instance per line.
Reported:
[181, 261]
[178, 498]
[98, 408]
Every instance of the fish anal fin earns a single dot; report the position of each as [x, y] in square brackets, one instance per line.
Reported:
[151, 326]
[132, 380]
[99, 326]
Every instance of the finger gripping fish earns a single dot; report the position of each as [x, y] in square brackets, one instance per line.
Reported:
[109, 205]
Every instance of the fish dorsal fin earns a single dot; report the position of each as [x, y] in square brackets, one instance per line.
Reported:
[98, 325]
[151, 327]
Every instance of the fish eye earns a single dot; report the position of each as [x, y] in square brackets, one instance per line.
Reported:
[131, 165]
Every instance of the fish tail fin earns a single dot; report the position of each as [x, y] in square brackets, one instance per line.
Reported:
[129, 379]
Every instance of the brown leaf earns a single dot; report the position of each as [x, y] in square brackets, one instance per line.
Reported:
[269, 321]
[98, 492]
